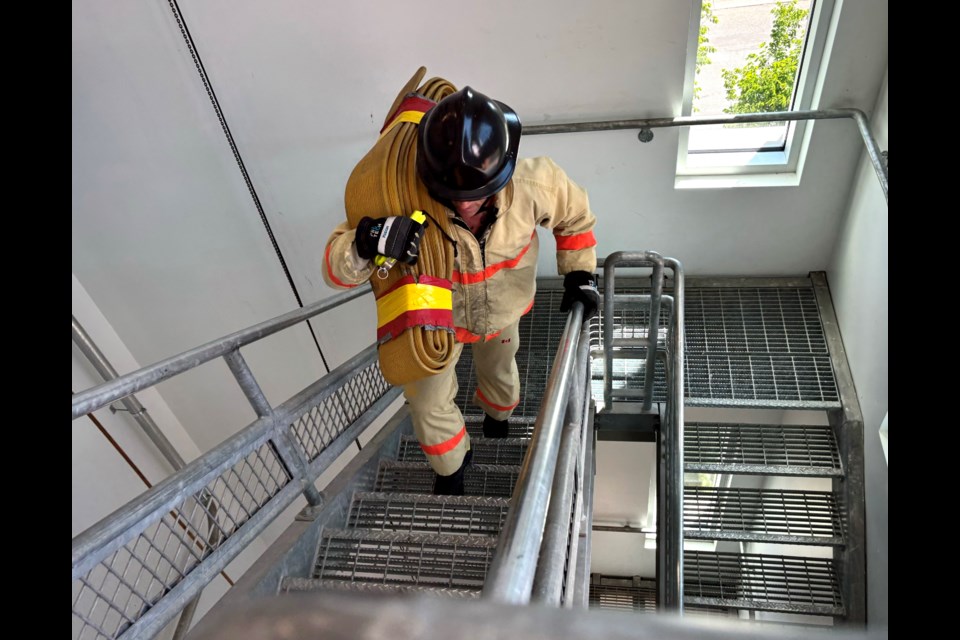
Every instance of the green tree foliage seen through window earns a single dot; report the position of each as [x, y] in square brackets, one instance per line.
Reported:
[704, 48]
[765, 82]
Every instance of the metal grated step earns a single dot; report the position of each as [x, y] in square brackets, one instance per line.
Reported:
[410, 559]
[759, 515]
[790, 584]
[744, 347]
[427, 513]
[625, 593]
[761, 449]
[418, 477]
[760, 380]
[518, 426]
[485, 450]
[289, 585]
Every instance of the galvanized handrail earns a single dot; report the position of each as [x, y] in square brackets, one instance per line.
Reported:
[148, 560]
[512, 570]
[246, 506]
[557, 555]
[102, 395]
[670, 485]
[645, 124]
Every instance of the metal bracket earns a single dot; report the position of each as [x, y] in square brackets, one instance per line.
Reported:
[309, 513]
[114, 409]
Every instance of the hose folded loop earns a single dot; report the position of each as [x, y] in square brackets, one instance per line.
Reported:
[385, 183]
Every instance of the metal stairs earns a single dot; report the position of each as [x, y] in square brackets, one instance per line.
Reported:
[786, 519]
[396, 536]
[785, 509]
[399, 537]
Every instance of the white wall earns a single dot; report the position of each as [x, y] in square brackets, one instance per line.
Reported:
[858, 284]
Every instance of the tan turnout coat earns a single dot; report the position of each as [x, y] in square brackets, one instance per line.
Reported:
[494, 277]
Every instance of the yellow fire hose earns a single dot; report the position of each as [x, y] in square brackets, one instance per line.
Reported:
[385, 183]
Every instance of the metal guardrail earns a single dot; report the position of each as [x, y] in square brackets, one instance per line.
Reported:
[136, 569]
[670, 445]
[102, 395]
[558, 551]
[512, 571]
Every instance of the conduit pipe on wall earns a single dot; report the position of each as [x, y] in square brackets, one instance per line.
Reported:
[645, 124]
[137, 411]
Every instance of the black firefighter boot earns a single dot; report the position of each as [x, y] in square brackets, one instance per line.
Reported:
[452, 485]
[495, 428]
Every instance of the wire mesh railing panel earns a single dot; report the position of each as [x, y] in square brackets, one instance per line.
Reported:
[418, 477]
[761, 448]
[793, 584]
[120, 589]
[785, 516]
[431, 560]
[334, 412]
[485, 450]
[427, 513]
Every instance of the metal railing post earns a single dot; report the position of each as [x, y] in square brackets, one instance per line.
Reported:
[286, 449]
[673, 536]
[670, 435]
[653, 334]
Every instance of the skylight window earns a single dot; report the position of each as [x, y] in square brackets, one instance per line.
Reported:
[750, 56]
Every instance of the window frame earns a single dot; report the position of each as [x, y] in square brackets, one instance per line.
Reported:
[710, 169]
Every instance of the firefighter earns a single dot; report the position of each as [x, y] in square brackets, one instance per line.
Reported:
[467, 158]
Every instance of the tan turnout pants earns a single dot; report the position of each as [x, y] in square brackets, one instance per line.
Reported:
[438, 422]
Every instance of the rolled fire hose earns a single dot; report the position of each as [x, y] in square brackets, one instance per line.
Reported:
[385, 183]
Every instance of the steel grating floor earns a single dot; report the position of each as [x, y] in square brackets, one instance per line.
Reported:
[790, 584]
[762, 449]
[412, 559]
[418, 477]
[485, 450]
[424, 513]
[623, 593]
[753, 347]
[762, 515]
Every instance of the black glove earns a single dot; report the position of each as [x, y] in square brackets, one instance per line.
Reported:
[580, 286]
[394, 237]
